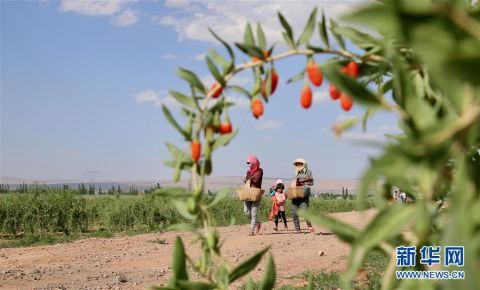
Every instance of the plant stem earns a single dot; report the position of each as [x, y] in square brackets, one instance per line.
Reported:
[467, 119]
[307, 52]
[464, 21]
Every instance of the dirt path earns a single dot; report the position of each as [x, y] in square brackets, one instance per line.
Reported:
[97, 263]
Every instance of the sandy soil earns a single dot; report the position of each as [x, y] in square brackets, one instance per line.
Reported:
[138, 262]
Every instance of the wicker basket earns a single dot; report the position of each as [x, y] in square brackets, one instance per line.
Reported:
[295, 192]
[250, 193]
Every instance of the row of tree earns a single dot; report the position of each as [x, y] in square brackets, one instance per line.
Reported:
[82, 189]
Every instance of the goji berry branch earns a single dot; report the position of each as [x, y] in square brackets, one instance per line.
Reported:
[307, 52]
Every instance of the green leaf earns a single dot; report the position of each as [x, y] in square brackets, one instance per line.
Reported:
[187, 285]
[248, 36]
[187, 113]
[387, 224]
[309, 28]
[288, 40]
[250, 284]
[221, 277]
[401, 81]
[182, 209]
[220, 105]
[344, 231]
[219, 196]
[385, 87]
[338, 37]
[224, 139]
[464, 214]
[183, 227]
[360, 39]
[178, 168]
[323, 31]
[179, 265]
[174, 150]
[422, 112]
[240, 90]
[214, 71]
[247, 266]
[268, 86]
[191, 78]
[366, 116]
[183, 99]
[172, 192]
[170, 163]
[286, 26]
[316, 49]
[214, 55]
[250, 50]
[310, 282]
[262, 43]
[227, 46]
[187, 163]
[378, 15]
[208, 166]
[269, 276]
[350, 86]
[297, 77]
[173, 122]
[257, 82]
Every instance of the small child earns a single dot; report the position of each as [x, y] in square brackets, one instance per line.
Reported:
[272, 190]
[280, 201]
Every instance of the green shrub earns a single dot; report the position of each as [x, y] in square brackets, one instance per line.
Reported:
[52, 212]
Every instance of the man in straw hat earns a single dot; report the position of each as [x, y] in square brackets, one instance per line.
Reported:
[303, 178]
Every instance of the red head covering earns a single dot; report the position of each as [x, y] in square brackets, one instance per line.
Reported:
[255, 164]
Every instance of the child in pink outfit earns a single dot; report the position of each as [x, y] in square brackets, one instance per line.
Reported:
[280, 201]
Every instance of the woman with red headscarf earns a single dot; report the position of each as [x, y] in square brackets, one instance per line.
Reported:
[255, 175]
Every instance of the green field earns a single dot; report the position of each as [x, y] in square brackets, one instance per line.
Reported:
[27, 218]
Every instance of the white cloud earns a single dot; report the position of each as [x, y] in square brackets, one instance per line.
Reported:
[200, 56]
[167, 20]
[169, 56]
[115, 8]
[242, 81]
[168, 101]
[157, 98]
[240, 102]
[126, 18]
[146, 96]
[301, 143]
[389, 128]
[208, 80]
[343, 117]
[228, 18]
[176, 3]
[267, 125]
[267, 139]
[367, 136]
[92, 7]
[320, 97]
[238, 80]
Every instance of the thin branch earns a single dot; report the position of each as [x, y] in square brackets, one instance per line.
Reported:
[464, 21]
[467, 119]
[306, 52]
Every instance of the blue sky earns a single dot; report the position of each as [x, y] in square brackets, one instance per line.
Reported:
[82, 83]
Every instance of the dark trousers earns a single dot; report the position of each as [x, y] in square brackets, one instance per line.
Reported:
[297, 204]
[281, 214]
